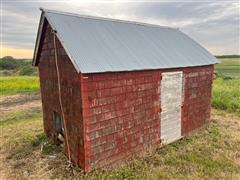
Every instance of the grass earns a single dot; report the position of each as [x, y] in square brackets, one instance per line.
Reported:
[226, 95]
[212, 153]
[226, 88]
[229, 67]
[18, 84]
[17, 118]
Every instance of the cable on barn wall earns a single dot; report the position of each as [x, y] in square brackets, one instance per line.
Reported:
[60, 97]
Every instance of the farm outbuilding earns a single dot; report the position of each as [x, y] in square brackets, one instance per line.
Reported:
[116, 88]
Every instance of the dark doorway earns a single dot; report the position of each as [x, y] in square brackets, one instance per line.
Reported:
[58, 123]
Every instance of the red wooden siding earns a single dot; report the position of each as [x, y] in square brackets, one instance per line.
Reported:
[122, 111]
[71, 95]
[121, 114]
[197, 97]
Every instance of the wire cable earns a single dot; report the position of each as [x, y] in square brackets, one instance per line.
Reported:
[60, 97]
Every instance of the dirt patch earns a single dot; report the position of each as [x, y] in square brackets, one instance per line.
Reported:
[20, 102]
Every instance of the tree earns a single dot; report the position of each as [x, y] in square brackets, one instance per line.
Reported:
[8, 63]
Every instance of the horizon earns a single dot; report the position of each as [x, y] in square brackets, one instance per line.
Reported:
[214, 25]
[217, 56]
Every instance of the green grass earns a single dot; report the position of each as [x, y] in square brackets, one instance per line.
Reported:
[229, 67]
[226, 95]
[18, 84]
[226, 88]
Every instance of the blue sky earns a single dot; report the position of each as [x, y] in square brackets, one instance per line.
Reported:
[214, 24]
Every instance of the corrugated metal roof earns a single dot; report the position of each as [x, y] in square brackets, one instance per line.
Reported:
[104, 45]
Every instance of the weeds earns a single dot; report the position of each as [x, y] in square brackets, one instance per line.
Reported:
[46, 144]
[39, 139]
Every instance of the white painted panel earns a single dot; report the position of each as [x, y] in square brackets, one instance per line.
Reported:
[171, 102]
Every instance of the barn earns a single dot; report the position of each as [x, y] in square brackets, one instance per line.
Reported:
[113, 89]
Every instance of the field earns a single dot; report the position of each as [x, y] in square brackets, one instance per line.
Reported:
[18, 84]
[209, 153]
[229, 67]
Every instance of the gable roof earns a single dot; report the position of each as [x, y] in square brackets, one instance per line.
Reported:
[105, 45]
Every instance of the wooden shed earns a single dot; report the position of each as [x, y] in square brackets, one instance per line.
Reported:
[115, 88]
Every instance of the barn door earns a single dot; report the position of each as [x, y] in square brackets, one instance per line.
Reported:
[171, 102]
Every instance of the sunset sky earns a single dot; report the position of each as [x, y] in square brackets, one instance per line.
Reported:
[214, 24]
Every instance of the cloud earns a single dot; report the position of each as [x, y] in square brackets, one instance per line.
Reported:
[215, 25]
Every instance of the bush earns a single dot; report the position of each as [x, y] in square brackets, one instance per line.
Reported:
[10, 66]
[8, 63]
[27, 71]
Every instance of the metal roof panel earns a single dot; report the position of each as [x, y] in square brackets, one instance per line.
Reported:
[101, 45]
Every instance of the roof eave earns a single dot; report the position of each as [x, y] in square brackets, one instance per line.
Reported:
[39, 34]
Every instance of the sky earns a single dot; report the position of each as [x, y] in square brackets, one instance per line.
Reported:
[213, 24]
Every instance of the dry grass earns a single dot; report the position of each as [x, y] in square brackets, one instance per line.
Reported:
[22, 101]
[211, 153]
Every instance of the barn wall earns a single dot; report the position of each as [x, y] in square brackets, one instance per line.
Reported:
[121, 117]
[197, 97]
[122, 111]
[71, 96]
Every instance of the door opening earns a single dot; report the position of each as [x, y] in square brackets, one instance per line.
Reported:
[58, 127]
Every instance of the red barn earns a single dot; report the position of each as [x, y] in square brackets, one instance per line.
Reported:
[115, 88]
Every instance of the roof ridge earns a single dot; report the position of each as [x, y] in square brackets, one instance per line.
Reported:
[105, 19]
